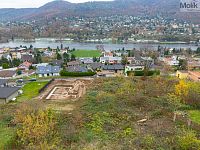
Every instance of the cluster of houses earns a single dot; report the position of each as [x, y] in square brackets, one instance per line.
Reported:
[192, 64]
[108, 64]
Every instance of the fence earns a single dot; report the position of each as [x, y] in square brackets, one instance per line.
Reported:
[44, 87]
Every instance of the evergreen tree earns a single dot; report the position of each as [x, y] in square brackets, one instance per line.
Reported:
[59, 57]
[73, 57]
[66, 57]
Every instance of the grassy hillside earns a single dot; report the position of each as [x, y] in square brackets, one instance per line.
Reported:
[116, 113]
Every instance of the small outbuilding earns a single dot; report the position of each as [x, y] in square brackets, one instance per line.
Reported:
[181, 74]
[8, 93]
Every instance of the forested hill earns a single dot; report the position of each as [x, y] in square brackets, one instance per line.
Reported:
[60, 8]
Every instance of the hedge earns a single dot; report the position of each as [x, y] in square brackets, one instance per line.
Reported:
[76, 74]
[141, 72]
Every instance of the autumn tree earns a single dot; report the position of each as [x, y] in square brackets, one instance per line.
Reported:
[182, 89]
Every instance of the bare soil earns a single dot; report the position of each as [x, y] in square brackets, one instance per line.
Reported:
[66, 89]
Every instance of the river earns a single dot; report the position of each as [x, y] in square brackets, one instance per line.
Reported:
[44, 43]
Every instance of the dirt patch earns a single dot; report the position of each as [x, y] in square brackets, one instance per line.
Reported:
[67, 107]
[66, 89]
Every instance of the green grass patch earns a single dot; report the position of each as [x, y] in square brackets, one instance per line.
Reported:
[195, 115]
[87, 53]
[31, 90]
[6, 136]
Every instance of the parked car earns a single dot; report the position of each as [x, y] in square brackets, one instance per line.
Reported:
[32, 80]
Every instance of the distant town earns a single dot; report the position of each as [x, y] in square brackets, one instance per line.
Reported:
[113, 29]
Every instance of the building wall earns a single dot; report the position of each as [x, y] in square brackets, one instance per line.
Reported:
[2, 101]
[181, 75]
[14, 95]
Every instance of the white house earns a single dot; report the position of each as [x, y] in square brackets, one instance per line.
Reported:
[133, 67]
[110, 60]
[45, 71]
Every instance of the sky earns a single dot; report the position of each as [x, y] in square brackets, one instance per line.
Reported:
[32, 3]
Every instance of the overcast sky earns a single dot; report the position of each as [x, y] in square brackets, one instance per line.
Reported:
[32, 3]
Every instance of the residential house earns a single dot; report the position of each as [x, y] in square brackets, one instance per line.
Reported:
[130, 60]
[27, 57]
[149, 61]
[16, 55]
[111, 70]
[121, 53]
[7, 74]
[41, 64]
[142, 61]
[108, 54]
[172, 61]
[110, 60]
[25, 65]
[95, 66]
[133, 67]
[7, 56]
[8, 93]
[6, 49]
[86, 60]
[48, 53]
[74, 63]
[1, 51]
[45, 71]
[181, 74]
[57, 63]
[77, 69]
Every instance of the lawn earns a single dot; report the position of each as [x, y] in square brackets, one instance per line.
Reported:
[30, 90]
[195, 115]
[87, 53]
[6, 135]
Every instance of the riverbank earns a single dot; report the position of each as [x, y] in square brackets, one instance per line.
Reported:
[50, 42]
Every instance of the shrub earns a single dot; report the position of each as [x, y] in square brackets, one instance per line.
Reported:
[188, 140]
[189, 92]
[76, 74]
[38, 130]
[141, 72]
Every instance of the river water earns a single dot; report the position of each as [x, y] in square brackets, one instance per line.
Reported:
[44, 43]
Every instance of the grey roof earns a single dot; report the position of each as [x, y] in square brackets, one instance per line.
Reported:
[27, 57]
[76, 69]
[87, 60]
[139, 58]
[95, 66]
[47, 69]
[5, 92]
[57, 62]
[113, 67]
[3, 81]
[7, 73]
[73, 63]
